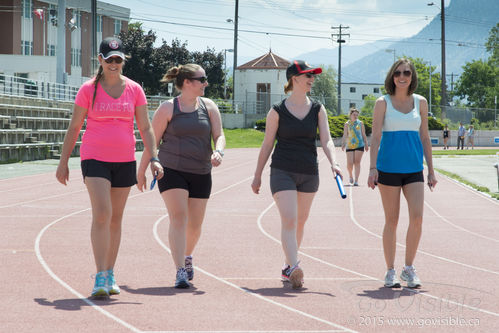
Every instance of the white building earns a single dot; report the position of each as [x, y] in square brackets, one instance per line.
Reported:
[353, 94]
[260, 83]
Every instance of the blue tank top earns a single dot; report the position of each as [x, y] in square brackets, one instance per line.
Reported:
[401, 150]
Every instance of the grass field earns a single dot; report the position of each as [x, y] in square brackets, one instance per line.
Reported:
[243, 138]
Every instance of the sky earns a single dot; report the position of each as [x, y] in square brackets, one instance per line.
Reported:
[289, 28]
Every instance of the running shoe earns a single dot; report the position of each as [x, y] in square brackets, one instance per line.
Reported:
[355, 184]
[188, 268]
[350, 181]
[112, 286]
[284, 274]
[181, 280]
[100, 288]
[295, 276]
[391, 280]
[409, 275]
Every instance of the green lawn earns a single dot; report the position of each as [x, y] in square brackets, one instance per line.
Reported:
[490, 151]
[243, 138]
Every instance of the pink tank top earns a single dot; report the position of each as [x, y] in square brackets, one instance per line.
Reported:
[109, 135]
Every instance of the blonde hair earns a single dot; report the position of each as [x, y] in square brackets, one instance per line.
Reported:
[288, 86]
[180, 73]
[352, 110]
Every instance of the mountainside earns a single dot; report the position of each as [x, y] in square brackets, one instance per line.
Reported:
[467, 27]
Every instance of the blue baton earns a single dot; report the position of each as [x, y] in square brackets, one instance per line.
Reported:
[339, 182]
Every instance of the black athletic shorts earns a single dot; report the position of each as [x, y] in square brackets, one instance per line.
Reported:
[120, 174]
[281, 180]
[399, 179]
[198, 186]
[359, 149]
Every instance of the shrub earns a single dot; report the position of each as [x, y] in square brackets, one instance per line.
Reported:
[435, 124]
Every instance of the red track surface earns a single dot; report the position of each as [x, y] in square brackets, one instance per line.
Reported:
[47, 261]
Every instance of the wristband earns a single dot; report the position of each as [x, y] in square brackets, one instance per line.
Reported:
[221, 152]
[154, 159]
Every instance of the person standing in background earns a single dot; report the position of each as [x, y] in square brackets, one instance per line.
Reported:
[355, 141]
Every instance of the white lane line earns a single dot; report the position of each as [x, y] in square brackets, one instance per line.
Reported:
[419, 251]
[26, 187]
[308, 278]
[415, 291]
[457, 226]
[67, 286]
[44, 198]
[287, 331]
[263, 298]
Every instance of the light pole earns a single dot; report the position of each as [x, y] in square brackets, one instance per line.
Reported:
[442, 40]
[429, 70]
[391, 51]
[225, 71]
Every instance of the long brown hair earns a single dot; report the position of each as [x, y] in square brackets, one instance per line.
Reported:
[98, 76]
[390, 85]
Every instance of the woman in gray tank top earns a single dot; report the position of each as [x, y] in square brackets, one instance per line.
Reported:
[185, 126]
[294, 176]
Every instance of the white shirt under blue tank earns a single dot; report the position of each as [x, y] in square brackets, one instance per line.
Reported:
[401, 150]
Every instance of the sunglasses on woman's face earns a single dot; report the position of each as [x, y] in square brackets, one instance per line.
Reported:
[405, 73]
[309, 75]
[201, 79]
[117, 60]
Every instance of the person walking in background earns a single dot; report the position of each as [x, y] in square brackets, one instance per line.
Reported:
[186, 124]
[460, 136]
[400, 131]
[294, 174]
[446, 136]
[470, 134]
[110, 102]
[355, 141]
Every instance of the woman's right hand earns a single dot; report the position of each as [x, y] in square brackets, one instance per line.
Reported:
[255, 185]
[62, 173]
[372, 181]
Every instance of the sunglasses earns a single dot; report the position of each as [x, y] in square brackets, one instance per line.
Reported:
[405, 73]
[110, 60]
[201, 79]
[308, 75]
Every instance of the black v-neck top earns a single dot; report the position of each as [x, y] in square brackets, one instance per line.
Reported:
[296, 149]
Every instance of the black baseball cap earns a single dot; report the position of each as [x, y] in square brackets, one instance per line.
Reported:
[111, 46]
[298, 67]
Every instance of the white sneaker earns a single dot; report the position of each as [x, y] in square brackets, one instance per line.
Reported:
[391, 280]
[409, 274]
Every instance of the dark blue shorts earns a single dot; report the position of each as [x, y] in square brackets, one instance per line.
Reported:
[399, 179]
[198, 186]
[120, 174]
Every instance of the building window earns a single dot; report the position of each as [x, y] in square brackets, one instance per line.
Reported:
[75, 57]
[27, 9]
[352, 105]
[50, 50]
[376, 90]
[352, 89]
[117, 27]
[364, 96]
[26, 47]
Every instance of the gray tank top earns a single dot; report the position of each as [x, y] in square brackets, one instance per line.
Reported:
[186, 142]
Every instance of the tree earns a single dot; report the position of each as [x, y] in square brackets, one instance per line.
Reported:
[479, 84]
[492, 45]
[324, 88]
[140, 49]
[368, 107]
[423, 88]
[213, 65]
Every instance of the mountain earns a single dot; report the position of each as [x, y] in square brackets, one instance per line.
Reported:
[467, 27]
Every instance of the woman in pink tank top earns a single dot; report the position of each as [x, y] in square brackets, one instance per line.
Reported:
[109, 102]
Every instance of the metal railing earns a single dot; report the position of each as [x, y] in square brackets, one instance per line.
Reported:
[19, 86]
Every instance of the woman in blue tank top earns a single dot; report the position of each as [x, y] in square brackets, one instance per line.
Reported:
[294, 176]
[355, 142]
[400, 131]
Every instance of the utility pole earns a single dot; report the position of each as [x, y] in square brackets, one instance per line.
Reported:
[236, 19]
[444, 86]
[93, 60]
[61, 41]
[339, 40]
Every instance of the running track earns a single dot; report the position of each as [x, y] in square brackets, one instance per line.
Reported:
[47, 261]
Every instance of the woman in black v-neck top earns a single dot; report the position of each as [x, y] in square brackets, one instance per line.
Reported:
[294, 176]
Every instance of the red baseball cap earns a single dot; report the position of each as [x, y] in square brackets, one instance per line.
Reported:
[298, 67]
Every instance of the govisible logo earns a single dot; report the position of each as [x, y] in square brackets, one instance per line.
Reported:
[113, 44]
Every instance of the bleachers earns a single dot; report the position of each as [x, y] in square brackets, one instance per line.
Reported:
[33, 129]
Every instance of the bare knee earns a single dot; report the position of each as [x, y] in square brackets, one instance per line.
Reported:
[178, 220]
[289, 223]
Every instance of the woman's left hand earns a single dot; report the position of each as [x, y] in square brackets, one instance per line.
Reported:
[216, 158]
[157, 169]
[432, 181]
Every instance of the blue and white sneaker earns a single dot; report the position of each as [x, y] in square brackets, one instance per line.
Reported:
[409, 275]
[111, 284]
[181, 280]
[100, 286]
[188, 268]
[391, 280]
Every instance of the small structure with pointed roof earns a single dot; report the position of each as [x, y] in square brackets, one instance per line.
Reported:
[260, 83]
